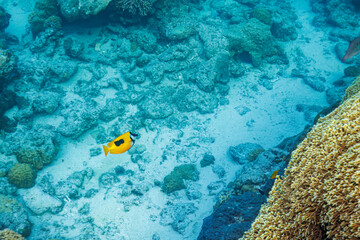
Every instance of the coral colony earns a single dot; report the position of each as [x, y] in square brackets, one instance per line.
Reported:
[245, 116]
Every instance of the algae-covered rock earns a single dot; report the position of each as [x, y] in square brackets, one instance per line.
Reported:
[79, 116]
[176, 22]
[4, 19]
[5, 187]
[175, 180]
[144, 39]
[14, 216]
[232, 218]
[141, 7]
[46, 102]
[77, 9]
[207, 160]
[22, 175]
[157, 105]
[189, 99]
[215, 70]
[40, 202]
[245, 152]
[73, 47]
[254, 38]
[177, 216]
[35, 157]
[262, 14]
[8, 62]
[45, 15]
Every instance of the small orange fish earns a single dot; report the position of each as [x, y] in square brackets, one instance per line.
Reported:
[352, 50]
[120, 144]
[273, 175]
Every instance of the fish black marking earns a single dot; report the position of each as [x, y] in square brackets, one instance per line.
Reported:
[118, 143]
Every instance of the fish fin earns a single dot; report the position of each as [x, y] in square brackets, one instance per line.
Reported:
[106, 150]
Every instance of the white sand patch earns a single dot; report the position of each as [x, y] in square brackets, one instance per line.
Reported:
[315, 44]
[19, 11]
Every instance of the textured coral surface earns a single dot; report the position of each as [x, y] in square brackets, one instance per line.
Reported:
[8, 234]
[319, 196]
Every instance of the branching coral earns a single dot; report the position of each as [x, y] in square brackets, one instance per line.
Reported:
[134, 6]
[319, 196]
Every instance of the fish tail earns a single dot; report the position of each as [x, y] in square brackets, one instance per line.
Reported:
[106, 150]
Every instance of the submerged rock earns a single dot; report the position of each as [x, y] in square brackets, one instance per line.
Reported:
[157, 105]
[189, 99]
[207, 160]
[255, 39]
[177, 216]
[46, 102]
[4, 19]
[61, 70]
[73, 47]
[107, 180]
[175, 180]
[39, 202]
[215, 70]
[139, 7]
[79, 116]
[176, 23]
[37, 148]
[8, 63]
[242, 153]
[5, 187]
[76, 9]
[14, 216]
[231, 219]
[45, 15]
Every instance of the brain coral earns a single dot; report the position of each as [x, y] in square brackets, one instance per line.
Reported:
[319, 196]
[8, 234]
[22, 175]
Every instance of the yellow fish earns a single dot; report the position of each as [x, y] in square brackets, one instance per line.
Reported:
[120, 144]
[273, 175]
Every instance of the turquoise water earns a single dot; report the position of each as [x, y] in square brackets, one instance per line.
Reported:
[217, 93]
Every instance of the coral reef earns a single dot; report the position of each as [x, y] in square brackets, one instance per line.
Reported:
[8, 234]
[352, 89]
[175, 180]
[318, 197]
[45, 15]
[207, 160]
[255, 39]
[177, 216]
[4, 19]
[245, 152]
[73, 10]
[36, 158]
[14, 216]
[141, 7]
[40, 202]
[176, 21]
[7, 67]
[22, 175]
[232, 218]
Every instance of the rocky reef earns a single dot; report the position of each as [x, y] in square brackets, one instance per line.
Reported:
[193, 79]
